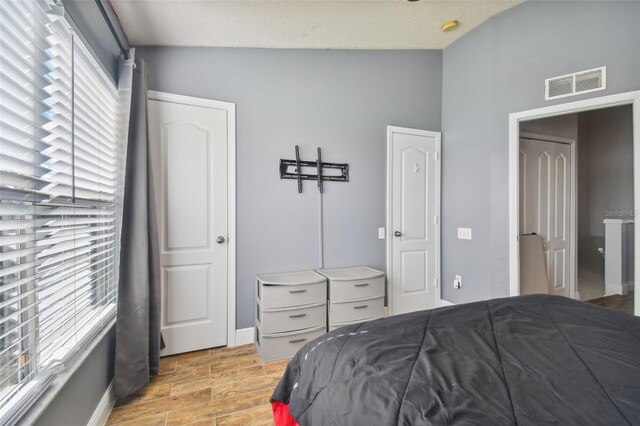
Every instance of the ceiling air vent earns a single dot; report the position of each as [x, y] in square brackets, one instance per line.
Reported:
[576, 83]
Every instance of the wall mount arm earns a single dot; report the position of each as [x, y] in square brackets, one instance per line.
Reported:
[319, 165]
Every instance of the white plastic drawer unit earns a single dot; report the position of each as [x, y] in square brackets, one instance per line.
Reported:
[356, 289]
[355, 295]
[291, 310]
[291, 289]
[296, 318]
[359, 310]
[284, 345]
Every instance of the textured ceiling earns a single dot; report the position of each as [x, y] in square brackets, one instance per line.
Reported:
[391, 24]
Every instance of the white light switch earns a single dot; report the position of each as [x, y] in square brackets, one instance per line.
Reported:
[381, 233]
[464, 233]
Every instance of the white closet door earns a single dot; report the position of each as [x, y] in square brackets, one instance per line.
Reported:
[545, 205]
[414, 197]
[189, 162]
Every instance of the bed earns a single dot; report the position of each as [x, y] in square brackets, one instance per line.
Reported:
[527, 360]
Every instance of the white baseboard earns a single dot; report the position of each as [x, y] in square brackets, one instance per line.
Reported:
[102, 411]
[245, 336]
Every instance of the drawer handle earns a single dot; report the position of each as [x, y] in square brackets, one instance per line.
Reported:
[297, 291]
[362, 285]
[297, 340]
[297, 316]
[361, 307]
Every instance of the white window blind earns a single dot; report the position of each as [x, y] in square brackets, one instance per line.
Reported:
[58, 196]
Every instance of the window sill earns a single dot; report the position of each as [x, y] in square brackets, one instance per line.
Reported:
[41, 402]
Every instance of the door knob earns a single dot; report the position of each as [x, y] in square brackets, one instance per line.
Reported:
[220, 239]
[397, 234]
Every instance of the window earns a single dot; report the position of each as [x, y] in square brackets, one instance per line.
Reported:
[58, 198]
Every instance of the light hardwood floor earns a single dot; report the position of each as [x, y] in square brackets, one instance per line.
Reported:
[617, 302]
[216, 387]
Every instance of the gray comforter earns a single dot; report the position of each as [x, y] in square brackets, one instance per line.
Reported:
[528, 360]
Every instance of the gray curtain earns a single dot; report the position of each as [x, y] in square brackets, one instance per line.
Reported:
[138, 316]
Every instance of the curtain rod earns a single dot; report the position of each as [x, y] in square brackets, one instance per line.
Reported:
[114, 33]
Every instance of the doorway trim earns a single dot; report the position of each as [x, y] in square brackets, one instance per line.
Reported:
[389, 231]
[230, 109]
[573, 214]
[628, 98]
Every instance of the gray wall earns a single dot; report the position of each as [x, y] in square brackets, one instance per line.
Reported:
[498, 69]
[605, 179]
[562, 126]
[340, 101]
[78, 399]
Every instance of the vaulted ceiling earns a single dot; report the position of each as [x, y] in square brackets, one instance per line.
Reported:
[313, 24]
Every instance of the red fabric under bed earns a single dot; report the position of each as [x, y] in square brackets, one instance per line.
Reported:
[281, 415]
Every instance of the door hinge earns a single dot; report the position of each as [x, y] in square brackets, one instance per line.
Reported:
[435, 282]
[435, 219]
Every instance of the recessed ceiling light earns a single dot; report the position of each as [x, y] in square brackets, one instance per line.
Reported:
[449, 26]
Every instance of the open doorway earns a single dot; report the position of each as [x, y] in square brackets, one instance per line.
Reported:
[576, 201]
[573, 200]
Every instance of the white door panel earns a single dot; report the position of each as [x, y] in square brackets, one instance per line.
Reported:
[186, 161]
[184, 286]
[189, 163]
[414, 271]
[545, 205]
[414, 180]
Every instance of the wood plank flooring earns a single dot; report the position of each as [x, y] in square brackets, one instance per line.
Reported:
[225, 387]
[616, 301]
[216, 387]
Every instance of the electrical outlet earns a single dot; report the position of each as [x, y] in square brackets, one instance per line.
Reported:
[464, 233]
[381, 233]
[457, 282]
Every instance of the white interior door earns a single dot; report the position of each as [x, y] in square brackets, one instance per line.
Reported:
[189, 163]
[414, 231]
[545, 205]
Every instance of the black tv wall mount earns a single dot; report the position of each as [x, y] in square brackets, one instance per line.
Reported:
[298, 164]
